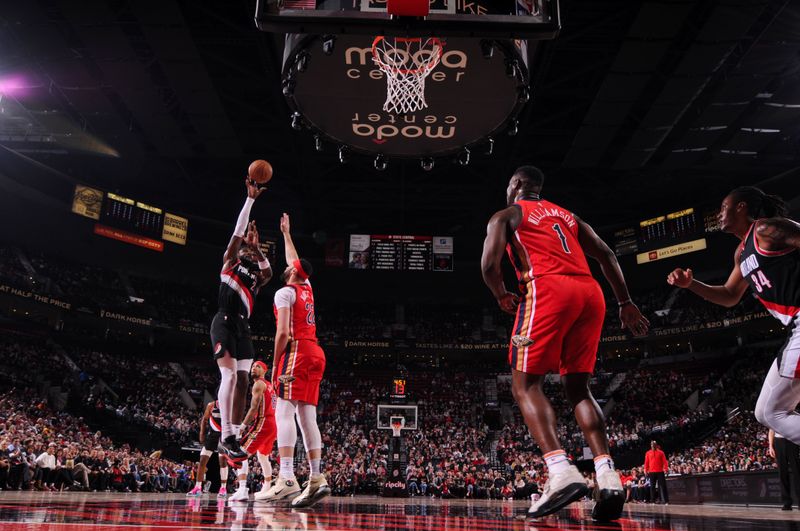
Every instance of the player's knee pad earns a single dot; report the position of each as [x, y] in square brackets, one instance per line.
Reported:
[244, 365]
[205, 453]
[307, 418]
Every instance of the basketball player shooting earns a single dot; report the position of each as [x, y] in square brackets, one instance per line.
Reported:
[296, 376]
[768, 261]
[245, 269]
[559, 317]
[259, 433]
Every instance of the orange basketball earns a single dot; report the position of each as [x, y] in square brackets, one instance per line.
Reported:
[260, 171]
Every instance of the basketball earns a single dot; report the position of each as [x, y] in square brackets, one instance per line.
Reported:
[260, 171]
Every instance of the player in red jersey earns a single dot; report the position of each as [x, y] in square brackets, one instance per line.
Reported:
[296, 375]
[768, 262]
[258, 432]
[559, 319]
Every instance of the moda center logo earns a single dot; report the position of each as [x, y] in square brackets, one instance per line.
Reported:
[382, 126]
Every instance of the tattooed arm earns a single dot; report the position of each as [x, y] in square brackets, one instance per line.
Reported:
[776, 234]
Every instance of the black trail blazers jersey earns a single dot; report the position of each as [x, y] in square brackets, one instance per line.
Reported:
[237, 290]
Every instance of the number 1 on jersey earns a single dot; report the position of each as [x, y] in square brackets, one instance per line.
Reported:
[557, 228]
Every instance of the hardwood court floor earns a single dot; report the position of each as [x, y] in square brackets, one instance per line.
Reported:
[96, 511]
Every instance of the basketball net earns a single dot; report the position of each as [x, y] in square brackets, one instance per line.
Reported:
[397, 425]
[406, 63]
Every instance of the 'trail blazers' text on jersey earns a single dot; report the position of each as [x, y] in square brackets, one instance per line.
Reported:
[546, 242]
[774, 277]
[238, 288]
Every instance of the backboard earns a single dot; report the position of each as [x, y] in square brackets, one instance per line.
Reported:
[386, 412]
[500, 19]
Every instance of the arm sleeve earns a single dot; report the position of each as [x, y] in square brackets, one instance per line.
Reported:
[285, 297]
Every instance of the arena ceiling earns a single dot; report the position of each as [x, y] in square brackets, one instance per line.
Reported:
[638, 107]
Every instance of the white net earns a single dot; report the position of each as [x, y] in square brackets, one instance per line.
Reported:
[397, 424]
[406, 63]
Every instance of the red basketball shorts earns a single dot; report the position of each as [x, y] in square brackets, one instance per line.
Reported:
[260, 437]
[298, 372]
[558, 325]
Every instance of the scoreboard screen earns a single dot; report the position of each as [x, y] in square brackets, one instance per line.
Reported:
[400, 253]
[134, 216]
[127, 220]
[670, 228]
[398, 388]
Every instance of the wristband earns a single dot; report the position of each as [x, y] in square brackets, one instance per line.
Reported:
[624, 303]
[264, 264]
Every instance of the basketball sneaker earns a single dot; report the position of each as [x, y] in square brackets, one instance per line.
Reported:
[241, 495]
[230, 447]
[223, 492]
[560, 490]
[281, 489]
[195, 492]
[316, 489]
[610, 496]
[262, 494]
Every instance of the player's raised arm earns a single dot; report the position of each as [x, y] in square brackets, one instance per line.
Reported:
[291, 252]
[728, 294]
[493, 248]
[255, 402]
[594, 247]
[239, 232]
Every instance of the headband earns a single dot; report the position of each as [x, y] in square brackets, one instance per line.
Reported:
[300, 271]
[261, 364]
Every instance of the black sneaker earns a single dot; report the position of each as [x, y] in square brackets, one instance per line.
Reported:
[230, 447]
[786, 507]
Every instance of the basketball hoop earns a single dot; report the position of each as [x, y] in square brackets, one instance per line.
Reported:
[397, 423]
[406, 63]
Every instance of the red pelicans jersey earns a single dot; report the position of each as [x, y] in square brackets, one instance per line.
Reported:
[299, 298]
[546, 242]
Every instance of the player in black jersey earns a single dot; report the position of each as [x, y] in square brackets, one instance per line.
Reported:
[210, 428]
[768, 261]
[244, 270]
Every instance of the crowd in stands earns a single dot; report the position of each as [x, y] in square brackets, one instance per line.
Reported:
[44, 449]
[182, 304]
[451, 454]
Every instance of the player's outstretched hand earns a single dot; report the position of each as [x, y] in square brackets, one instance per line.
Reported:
[251, 238]
[680, 277]
[253, 190]
[508, 302]
[632, 319]
[285, 226]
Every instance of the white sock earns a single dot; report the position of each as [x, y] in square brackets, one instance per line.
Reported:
[199, 485]
[227, 386]
[242, 484]
[602, 463]
[314, 464]
[223, 475]
[557, 461]
[237, 430]
[287, 467]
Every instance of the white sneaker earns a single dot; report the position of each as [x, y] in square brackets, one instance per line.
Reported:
[316, 489]
[262, 494]
[241, 495]
[610, 496]
[560, 490]
[282, 488]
